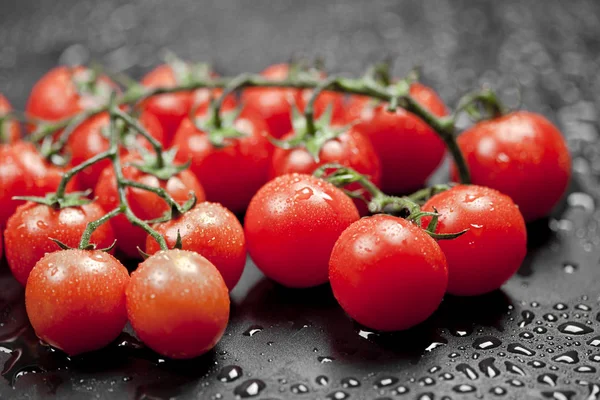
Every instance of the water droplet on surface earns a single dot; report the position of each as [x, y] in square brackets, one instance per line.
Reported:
[559, 395]
[486, 343]
[498, 391]
[560, 306]
[400, 390]
[570, 357]
[540, 329]
[350, 383]
[250, 388]
[386, 381]
[569, 267]
[322, 380]
[446, 376]
[324, 359]
[548, 379]
[517, 348]
[467, 371]
[581, 200]
[583, 307]
[526, 335]
[230, 373]
[464, 388]
[488, 368]
[550, 317]
[299, 388]
[585, 369]
[513, 368]
[515, 383]
[536, 364]
[574, 328]
[426, 396]
[338, 395]
[253, 330]
[427, 381]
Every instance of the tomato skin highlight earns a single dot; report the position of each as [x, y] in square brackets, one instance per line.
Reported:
[387, 274]
[10, 131]
[516, 154]
[291, 226]
[87, 140]
[212, 231]
[188, 283]
[494, 246]
[408, 148]
[143, 204]
[33, 224]
[75, 299]
[231, 174]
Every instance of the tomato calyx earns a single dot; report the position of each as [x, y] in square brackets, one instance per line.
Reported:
[163, 167]
[56, 201]
[178, 245]
[89, 246]
[481, 105]
[89, 84]
[187, 73]
[220, 130]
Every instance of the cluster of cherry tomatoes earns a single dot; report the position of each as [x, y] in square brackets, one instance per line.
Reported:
[387, 273]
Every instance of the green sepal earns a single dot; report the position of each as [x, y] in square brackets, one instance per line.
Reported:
[75, 199]
[143, 254]
[218, 136]
[187, 73]
[61, 244]
[446, 236]
[178, 241]
[168, 169]
[174, 212]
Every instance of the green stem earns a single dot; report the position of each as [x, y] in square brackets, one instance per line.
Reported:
[156, 145]
[93, 225]
[68, 175]
[176, 208]
[309, 111]
[425, 194]
[235, 84]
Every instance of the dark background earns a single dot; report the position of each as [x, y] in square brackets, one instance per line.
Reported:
[547, 48]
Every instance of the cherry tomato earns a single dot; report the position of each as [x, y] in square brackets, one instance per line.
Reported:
[90, 138]
[23, 172]
[387, 273]
[291, 226]
[172, 108]
[32, 226]
[273, 104]
[231, 174]
[144, 204]
[178, 303]
[75, 299]
[211, 230]
[65, 91]
[10, 131]
[408, 148]
[326, 99]
[522, 155]
[350, 149]
[494, 246]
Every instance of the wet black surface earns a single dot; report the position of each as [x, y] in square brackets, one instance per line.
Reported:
[537, 338]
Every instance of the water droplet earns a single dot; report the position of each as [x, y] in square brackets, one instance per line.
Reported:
[366, 334]
[461, 331]
[324, 359]
[540, 329]
[464, 388]
[322, 380]
[517, 348]
[498, 391]
[338, 395]
[434, 369]
[446, 376]
[253, 330]
[559, 395]
[536, 364]
[230, 373]
[304, 193]
[560, 306]
[426, 396]
[585, 369]
[400, 390]
[569, 267]
[574, 328]
[513, 368]
[486, 343]
[386, 381]
[583, 307]
[250, 388]
[526, 335]
[41, 224]
[593, 391]
[299, 388]
[453, 355]
[435, 345]
[595, 358]
[548, 379]
[488, 368]
[466, 370]
[515, 383]
[427, 381]
[350, 383]
[550, 317]
[570, 357]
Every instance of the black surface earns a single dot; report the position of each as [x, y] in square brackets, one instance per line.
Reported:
[300, 336]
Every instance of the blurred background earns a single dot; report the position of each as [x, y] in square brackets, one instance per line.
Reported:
[551, 46]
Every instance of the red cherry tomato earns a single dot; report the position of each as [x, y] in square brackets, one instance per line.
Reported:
[10, 131]
[231, 174]
[89, 139]
[273, 104]
[494, 246]
[144, 204]
[178, 304]
[350, 149]
[408, 148]
[32, 226]
[387, 273]
[291, 226]
[56, 95]
[172, 108]
[23, 172]
[326, 99]
[75, 299]
[211, 230]
[522, 155]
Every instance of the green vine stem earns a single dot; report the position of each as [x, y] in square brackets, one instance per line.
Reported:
[309, 111]
[444, 126]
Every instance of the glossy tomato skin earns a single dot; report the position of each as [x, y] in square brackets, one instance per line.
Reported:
[172, 108]
[521, 154]
[144, 204]
[23, 172]
[273, 105]
[387, 273]
[55, 95]
[10, 131]
[88, 140]
[350, 149]
[291, 226]
[75, 299]
[211, 230]
[231, 174]
[494, 246]
[408, 148]
[32, 225]
[188, 283]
